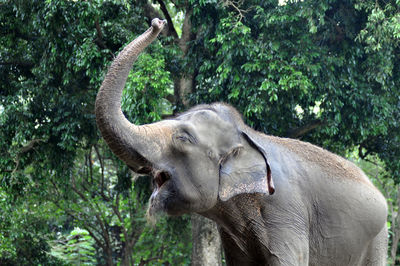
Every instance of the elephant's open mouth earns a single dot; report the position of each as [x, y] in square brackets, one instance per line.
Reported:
[160, 178]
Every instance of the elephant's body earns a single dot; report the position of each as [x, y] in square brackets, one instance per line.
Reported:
[276, 201]
[319, 215]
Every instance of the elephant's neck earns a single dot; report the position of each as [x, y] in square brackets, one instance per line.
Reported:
[242, 227]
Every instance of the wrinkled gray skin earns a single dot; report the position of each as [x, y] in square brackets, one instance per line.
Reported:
[276, 201]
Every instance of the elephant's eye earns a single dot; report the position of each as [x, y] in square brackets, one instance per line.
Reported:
[184, 139]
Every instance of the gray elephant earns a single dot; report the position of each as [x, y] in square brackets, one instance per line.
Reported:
[276, 201]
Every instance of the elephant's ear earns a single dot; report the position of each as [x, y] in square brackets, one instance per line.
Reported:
[245, 170]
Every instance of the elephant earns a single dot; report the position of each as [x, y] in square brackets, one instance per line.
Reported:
[276, 201]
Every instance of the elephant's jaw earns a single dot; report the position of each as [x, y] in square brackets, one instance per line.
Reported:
[165, 198]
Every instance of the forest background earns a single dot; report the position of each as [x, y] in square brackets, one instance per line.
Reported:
[326, 72]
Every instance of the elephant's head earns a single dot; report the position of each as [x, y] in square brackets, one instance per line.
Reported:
[202, 156]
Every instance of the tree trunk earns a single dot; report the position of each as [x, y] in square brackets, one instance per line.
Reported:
[109, 256]
[206, 242]
[127, 255]
[395, 229]
[183, 87]
[205, 237]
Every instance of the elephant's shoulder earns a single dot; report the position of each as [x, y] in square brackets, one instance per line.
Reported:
[311, 155]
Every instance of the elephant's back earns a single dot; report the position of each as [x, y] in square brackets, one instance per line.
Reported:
[325, 175]
[309, 155]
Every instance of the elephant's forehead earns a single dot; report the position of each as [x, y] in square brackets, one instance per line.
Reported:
[208, 123]
[200, 117]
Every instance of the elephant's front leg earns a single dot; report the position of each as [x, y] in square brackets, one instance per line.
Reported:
[287, 248]
[282, 249]
[235, 254]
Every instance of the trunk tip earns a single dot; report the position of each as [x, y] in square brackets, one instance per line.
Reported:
[158, 24]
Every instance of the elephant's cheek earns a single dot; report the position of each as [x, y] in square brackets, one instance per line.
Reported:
[156, 207]
[168, 200]
[160, 197]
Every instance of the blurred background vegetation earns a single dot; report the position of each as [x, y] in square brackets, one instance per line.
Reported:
[326, 72]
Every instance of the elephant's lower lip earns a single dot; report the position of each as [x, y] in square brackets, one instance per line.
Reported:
[157, 189]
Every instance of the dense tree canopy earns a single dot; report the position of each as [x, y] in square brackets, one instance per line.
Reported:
[323, 71]
[306, 66]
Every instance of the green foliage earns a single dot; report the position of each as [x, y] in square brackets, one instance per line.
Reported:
[19, 246]
[149, 84]
[159, 245]
[75, 249]
[326, 58]
[328, 68]
[52, 60]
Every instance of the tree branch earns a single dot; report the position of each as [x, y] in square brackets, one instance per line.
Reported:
[98, 241]
[16, 32]
[144, 262]
[116, 211]
[150, 12]
[90, 181]
[187, 34]
[237, 6]
[18, 63]
[28, 147]
[99, 40]
[84, 221]
[301, 131]
[171, 28]
[101, 167]
[362, 145]
[90, 228]
[83, 197]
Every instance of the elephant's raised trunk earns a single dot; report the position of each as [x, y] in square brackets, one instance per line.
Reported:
[129, 142]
